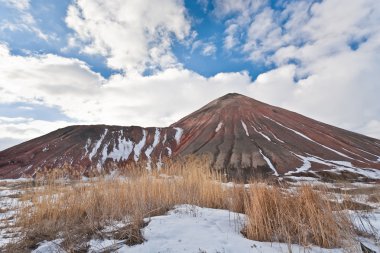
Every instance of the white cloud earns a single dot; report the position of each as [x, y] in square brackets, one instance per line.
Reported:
[23, 21]
[133, 35]
[27, 128]
[276, 86]
[50, 80]
[16, 130]
[8, 142]
[18, 4]
[209, 49]
[303, 30]
[132, 99]
[244, 11]
[245, 8]
[230, 40]
[205, 48]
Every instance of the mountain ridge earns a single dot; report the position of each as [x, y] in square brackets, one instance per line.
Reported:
[246, 138]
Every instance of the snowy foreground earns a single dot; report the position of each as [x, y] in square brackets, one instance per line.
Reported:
[193, 229]
[186, 228]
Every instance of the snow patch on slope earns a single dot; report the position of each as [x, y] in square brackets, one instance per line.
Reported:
[269, 163]
[138, 147]
[169, 151]
[218, 127]
[369, 173]
[178, 134]
[336, 166]
[122, 151]
[97, 144]
[88, 144]
[245, 127]
[307, 163]
[103, 158]
[150, 149]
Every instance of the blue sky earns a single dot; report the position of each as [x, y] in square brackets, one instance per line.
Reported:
[149, 63]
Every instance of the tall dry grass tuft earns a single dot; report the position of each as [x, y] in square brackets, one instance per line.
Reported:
[304, 216]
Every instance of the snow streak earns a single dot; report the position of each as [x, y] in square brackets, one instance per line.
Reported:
[219, 127]
[138, 147]
[269, 163]
[307, 138]
[150, 149]
[97, 145]
[178, 134]
[337, 166]
[169, 151]
[261, 133]
[245, 127]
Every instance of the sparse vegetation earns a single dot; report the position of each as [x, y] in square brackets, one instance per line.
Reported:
[304, 217]
[375, 197]
[77, 211]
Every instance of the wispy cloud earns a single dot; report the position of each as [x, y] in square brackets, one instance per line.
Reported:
[18, 4]
[205, 48]
[209, 49]
[23, 21]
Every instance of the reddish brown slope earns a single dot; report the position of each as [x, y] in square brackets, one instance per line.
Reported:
[246, 138]
[87, 147]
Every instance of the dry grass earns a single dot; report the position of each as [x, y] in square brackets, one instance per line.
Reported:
[348, 189]
[304, 217]
[77, 211]
[374, 198]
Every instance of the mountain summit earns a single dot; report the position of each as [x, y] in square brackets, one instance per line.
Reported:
[244, 137]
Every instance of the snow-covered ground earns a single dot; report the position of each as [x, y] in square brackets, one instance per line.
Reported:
[194, 229]
[8, 206]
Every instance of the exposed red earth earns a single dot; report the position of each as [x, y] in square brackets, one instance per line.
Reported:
[244, 137]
